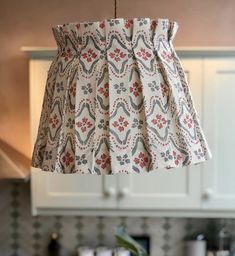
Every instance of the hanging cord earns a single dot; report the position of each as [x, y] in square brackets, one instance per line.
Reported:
[115, 9]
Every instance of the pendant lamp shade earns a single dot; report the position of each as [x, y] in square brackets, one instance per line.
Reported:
[117, 101]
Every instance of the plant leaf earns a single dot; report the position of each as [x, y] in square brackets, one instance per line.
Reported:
[126, 241]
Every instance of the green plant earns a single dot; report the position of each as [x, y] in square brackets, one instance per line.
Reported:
[127, 242]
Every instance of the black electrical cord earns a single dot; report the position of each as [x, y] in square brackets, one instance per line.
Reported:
[115, 9]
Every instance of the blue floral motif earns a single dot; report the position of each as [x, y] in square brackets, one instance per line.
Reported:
[120, 88]
[81, 159]
[199, 153]
[87, 88]
[153, 86]
[103, 124]
[167, 155]
[113, 22]
[142, 22]
[59, 87]
[48, 155]
[178, 87]
[88, 24]
[123, 159]
[70, 123]
[137, 123]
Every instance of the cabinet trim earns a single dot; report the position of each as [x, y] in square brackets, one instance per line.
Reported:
[136, 213]
[49, 52]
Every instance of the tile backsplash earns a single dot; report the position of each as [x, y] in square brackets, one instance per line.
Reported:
[24, 235]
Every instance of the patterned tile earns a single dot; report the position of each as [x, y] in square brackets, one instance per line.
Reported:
[22, 234]
[166, 237]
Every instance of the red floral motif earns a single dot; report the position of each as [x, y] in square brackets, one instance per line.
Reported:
[103, 161]
[67, 54]
[188, 121]
[102, 25]
[117, 55]
[54, 120]
[89, 55]
[141, 160]
[120, 124]
[67, 159]
[72, 89]
[160, 121]
[143, 54]
[84, 124]
[104, 90]
[177, 158]
[166, 56]
[77, 26]
[164, 89]
[136, 89]
[128, 23]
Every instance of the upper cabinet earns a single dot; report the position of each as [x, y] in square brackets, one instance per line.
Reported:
[197, 190]
[219, 126]
[57, 191]
[175, 189]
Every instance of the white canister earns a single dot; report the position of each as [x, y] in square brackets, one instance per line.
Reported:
[121, 252]
[103, 251]
[222, 253]
[85, 251]
[195, 248]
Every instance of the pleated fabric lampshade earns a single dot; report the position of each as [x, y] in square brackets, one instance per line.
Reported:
[117, 101]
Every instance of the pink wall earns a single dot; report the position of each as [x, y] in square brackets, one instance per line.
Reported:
[28, 23]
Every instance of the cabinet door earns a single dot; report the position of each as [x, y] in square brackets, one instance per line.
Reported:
[62, 191]
[167, 189]
[219, 124]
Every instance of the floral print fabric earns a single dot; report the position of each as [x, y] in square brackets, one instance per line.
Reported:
[117, 101]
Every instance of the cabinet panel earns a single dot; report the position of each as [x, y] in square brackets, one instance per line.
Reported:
[163, 189]
[212, 84]
[71, 191]
[219, 122]
[167, 189]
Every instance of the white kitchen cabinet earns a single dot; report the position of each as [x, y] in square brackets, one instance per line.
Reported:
[178, 188]
[219, 126]
[58, 191]
[200, 190]
[163, 189]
